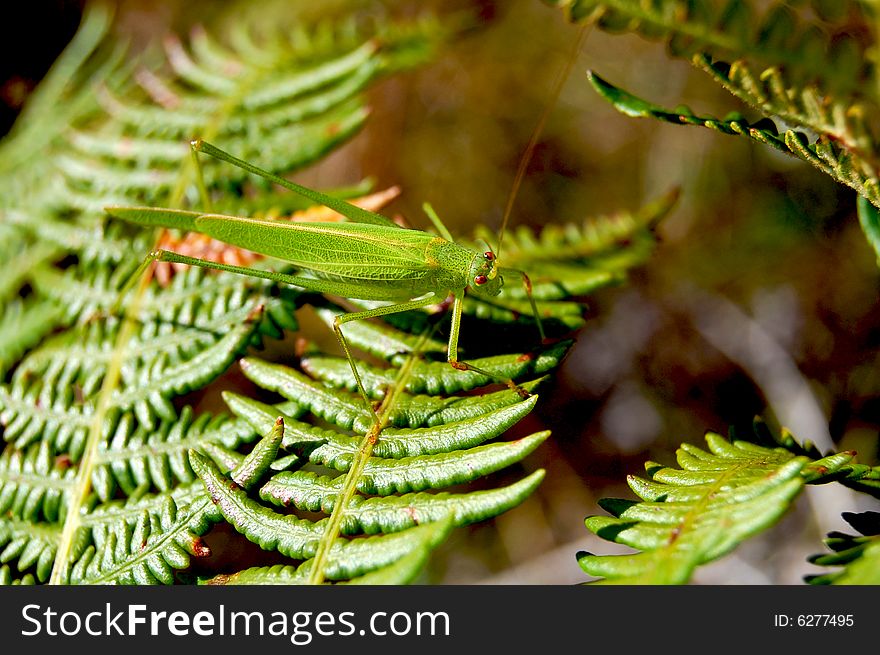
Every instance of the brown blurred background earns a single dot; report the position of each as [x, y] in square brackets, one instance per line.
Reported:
[760, 300]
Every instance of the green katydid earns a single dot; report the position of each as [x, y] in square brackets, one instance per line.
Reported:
[368, 257]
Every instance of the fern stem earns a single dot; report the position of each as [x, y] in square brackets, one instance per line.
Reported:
[83, 484]
[82, 487]
[365, 451]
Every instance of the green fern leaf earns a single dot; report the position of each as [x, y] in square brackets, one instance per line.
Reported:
[160, 539]
[839, 467]
[387, 476]
[289, 535]
[136, 456]
[717, 499]
[347, 411]
[695, 514]
[336, 450]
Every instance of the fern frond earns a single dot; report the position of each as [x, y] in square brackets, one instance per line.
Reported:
[857, 555]
[298, 538]
[695, 514]
[838, 119]
[30, 413]
[845, 165]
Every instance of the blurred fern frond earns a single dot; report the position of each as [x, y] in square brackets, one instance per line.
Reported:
[807, 72]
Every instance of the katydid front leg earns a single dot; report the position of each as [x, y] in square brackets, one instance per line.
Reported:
[452, 351]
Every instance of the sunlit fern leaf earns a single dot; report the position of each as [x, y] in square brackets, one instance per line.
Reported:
[190, 333]
[193, 299]
[610, 243]
[571, 260]
[142, 540]
[693, 515]
[833, 50]
[33, 483]
[389, 559]
[405, 460]
[845, 165]
[840, 119]
[48, 410]
[31, 413]
[281, 104]
[246, 469]
[148, 540]
[858, 556]
[336, 450]
[385, 476]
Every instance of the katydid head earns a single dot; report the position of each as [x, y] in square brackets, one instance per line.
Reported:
[483, 275]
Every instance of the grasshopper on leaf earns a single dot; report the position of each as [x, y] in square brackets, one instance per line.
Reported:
[369, 257]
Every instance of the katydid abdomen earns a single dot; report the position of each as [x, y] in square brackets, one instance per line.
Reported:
[374, 261]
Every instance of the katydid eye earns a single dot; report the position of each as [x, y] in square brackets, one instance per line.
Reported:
[480, 280]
